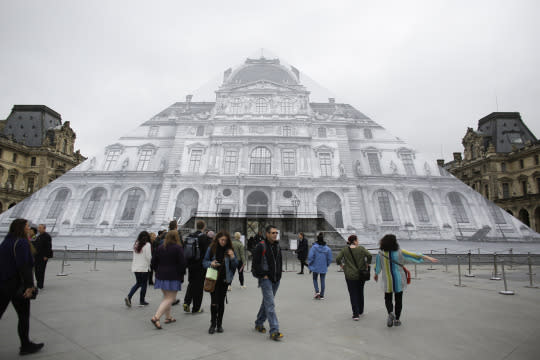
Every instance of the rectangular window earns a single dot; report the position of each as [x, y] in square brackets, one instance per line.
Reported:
[408, 164]
[385, 206]
[322, 132]
[153, 132]
[286, 106]
[326, 164]
[486, 191]
[14, 158]
[236, 106]
[144, 160]
[288, 159]
[374, 165]
[231, 161]
[195, 161]
[503, 167]
[287, 131]
[506, 190]
[30, 185]
[112, 157]
[33, 161]
[420, 206]
[521, 164]
[131, 206]
[536, 159]
[524, 187]
[52, 163]
[200, 131]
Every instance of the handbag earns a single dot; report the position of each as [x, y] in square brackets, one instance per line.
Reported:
[407, 272]
[211, 273]
[364, 273]
[209, 285]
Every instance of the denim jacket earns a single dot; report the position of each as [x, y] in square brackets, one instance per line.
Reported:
[230, 264]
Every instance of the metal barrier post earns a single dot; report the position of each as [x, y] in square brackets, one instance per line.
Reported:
[511, 257]
[445, 260]
[286, 256]
[469, 274]
[415, 273]
[431, 264]
[531, 285]
[66, 256]
[459, 273]
[88, 252]
[62, 273]
[505, 291]
[95, 262]
[478, 254]
[113, 253]
[495, 275]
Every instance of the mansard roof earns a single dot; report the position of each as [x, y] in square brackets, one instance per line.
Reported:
[506, 130]
[262, 69]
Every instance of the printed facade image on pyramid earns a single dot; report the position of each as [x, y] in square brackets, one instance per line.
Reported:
[263, 153]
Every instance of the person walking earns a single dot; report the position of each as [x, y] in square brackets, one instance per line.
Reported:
[43, 245]
[220, 255]
[353, 258]
[170, 266]
[302, 252]
[17, 281]
[194, 291]
[140, 265]
[319, 259]
[267, 268]
[240, 252]
[153, 247]
[389, 263]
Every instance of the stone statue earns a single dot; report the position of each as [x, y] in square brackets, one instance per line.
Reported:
[125, 164]
[393, 168]
[341, 168]
[358, 168]
[163, 164]
[92, 163]
[427, 169]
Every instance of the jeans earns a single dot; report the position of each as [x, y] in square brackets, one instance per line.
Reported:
[217, 307]
[390, 306]
[316, 284]
[39, 270]
[356, 293]
[240, 273]
[142, 282]
[268, 309]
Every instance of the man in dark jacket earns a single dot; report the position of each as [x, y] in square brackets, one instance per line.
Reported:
[43, 246]
[267, 267]
[196, 272]
[302, 251]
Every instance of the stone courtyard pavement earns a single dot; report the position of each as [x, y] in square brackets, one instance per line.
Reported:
[83, 316]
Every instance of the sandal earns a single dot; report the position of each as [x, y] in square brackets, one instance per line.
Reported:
[156, 323]
[170, 320]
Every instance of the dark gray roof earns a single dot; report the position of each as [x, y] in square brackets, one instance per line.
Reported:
[505, 130]
[262, 69]
[28, 124]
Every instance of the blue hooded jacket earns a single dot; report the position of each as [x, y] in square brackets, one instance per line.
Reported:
[320, 258]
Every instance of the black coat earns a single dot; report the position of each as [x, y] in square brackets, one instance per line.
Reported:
[43, 245]
[302, 251]
[273, 258]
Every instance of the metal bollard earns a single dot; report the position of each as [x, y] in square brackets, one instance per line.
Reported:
[511, 251]
[88, 252]
[113, 253]
[95, 262]
[505, 291]
[459, 274]
[415, 273]
[469, 274]
[66, 257]
[62, 273]
[286, 256]
[478, 254]
[431, 264]
[531, 285]
[445, 260]
[495, 274]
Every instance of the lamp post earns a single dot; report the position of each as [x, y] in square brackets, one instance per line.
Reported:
[218, 200]
[296, 203]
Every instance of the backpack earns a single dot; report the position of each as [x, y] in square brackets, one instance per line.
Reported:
[192, 252]
[264, 260]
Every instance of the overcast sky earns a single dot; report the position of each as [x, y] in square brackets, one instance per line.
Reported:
[425, 70]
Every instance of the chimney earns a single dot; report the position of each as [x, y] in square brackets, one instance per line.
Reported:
[332, 100]
[188, 101]
[226, 74]
[440, 162]
[457, 156]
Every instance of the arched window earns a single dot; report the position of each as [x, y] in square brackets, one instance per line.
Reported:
[133, 205]
[257, 203]
[385, 205]
[261, 106]
[95, 203]
[58, 204]
[286, 106]
[460, 213]
[260, 161]
[187, 204]
[524, 217]
[329, 206]
[420, 206]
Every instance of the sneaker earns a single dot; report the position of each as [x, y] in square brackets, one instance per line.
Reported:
[229, 288]
[397, 322]
[219, 329]
[260, 329]
[243, 286]
[276, 336]
[300, 273]
[30, 348]
[201, 310]
[144, 303]
[356, 317]
[317, 296]
[186, 308]
[390, 320]
[176, 302]
[321, 297]
[128, 302]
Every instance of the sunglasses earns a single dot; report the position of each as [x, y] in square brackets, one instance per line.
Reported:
[274, 232]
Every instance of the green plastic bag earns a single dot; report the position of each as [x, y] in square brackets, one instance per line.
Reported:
[211, 273]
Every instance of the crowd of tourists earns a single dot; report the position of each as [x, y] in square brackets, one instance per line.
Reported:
[211, 262]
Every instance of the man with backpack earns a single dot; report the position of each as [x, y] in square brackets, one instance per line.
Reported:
[267, 268]
[195, 246]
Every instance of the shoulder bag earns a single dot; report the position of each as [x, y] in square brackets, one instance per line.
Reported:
[363, 273]
[407, 272]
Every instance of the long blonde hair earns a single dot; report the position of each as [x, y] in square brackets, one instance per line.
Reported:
[171, 238]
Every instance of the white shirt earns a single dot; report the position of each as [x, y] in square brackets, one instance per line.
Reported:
[141, 261]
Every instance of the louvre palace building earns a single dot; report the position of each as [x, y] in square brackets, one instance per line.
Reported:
[263, 153]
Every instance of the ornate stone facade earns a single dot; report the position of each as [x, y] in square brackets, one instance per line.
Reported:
[262, 150]
[502, 162]
[35, 149]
